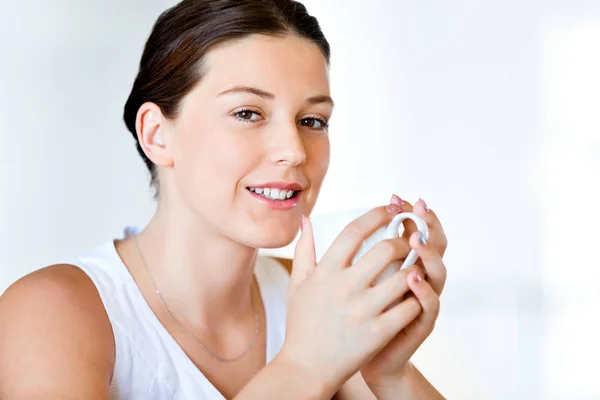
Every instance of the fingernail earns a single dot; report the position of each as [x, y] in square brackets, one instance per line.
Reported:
[396, 200]
[302, 223]
[393, 209]
[424, 204]
[417, 278]
[422, 239]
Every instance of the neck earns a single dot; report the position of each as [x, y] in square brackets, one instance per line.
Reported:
[201, 274]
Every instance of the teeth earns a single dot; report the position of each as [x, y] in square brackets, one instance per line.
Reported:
[274, 194]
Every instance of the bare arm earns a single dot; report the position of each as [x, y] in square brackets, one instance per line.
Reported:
[411, 385]
[56, 340]
[355, 389]
[282, 379]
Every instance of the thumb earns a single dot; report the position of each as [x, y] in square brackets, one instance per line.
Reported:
[304, 255]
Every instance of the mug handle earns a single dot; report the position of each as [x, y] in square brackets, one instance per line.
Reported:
[392, 232]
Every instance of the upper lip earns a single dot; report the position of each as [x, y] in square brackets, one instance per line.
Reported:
[279, 185]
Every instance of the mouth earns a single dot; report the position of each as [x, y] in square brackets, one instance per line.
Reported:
[275, 193]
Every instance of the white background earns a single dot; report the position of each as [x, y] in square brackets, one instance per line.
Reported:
[489, 110]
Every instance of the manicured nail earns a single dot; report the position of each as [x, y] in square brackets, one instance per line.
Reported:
[303, 223]
[393, 209]
[417, 278]
[396, 200]
[422, 239]
[424, 204]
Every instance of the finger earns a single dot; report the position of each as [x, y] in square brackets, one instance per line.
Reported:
[427, 297]
[390, 289]
[344, 247]
[409, 225]
[398, 317]
[372, 264]
[432, 262]
[304, 255]
[437, 236]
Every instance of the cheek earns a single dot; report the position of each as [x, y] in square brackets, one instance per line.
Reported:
[318, 155]
[210, 155]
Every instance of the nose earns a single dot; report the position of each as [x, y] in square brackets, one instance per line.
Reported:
[286, 147]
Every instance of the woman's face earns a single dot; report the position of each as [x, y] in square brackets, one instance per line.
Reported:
[254, 129]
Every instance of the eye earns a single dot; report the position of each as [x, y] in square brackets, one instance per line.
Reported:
[247, 115]
[314, 123]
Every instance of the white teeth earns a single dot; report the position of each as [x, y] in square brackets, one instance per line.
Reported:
[274, 194]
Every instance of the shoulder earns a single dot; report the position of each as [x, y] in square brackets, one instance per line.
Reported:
[61, 288]
[53, 331]
[286, 263]
[274, 270]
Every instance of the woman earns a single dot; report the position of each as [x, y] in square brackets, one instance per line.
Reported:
[230, 113]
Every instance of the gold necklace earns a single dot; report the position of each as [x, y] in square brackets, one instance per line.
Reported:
[208, 351]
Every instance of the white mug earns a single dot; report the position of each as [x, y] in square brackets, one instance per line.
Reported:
[327, 227]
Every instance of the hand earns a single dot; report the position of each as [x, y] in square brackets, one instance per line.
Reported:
[386, 368]
[336, 319]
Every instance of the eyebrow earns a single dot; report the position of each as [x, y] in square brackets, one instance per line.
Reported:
[270, 96]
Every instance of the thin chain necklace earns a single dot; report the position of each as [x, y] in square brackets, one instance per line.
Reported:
[208, 351]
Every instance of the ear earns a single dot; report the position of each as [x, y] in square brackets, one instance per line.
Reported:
[152, 133]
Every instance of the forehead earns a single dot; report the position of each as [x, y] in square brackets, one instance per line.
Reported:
[269, 63]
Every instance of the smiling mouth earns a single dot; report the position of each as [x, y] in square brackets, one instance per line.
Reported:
[275, 194]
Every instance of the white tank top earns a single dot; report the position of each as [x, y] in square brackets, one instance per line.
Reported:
[149, 364]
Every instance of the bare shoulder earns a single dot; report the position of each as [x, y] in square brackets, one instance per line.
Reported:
[286, 262]
[55, 338]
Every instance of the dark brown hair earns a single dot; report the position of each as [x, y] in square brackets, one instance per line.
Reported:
[171, 65]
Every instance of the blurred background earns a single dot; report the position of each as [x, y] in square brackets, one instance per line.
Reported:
[488, 110]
